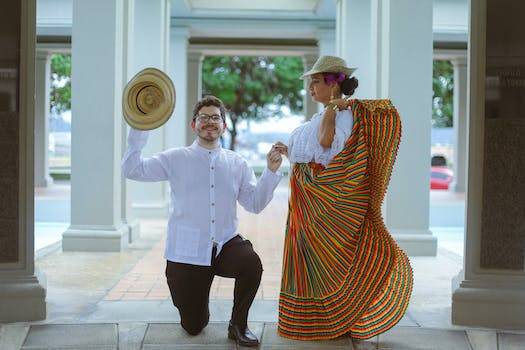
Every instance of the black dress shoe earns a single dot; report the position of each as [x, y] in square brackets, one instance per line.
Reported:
[243, 337]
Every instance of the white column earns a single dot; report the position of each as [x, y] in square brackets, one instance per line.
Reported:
[491, 297]
[178, 124]
[96, 223]
[326, 45]
[357, 41]
[149, 50]
[375, 37]
[42, 103]
[460, 123]
[194, 88]
[310, 106]
[326, 41]
[127, 74]
[22, 296]
[406, 78]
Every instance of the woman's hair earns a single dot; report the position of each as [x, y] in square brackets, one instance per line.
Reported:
[209, 100]
[347, 84]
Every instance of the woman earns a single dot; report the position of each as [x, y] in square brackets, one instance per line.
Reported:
[342, 271]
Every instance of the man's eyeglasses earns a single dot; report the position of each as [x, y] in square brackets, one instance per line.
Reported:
[205, 118]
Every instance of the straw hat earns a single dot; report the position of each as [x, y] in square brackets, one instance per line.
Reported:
[148, 99]
[329, 64]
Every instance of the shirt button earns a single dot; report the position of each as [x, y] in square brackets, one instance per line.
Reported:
[213, 221]
[212, 168]
[212, 204]
[211, 186]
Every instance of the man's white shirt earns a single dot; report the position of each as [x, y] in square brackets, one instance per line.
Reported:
[205, 187]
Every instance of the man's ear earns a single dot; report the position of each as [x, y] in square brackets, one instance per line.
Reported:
[193, 124]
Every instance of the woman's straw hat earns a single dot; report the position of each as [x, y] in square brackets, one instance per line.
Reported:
[329, 64]
[148, 99]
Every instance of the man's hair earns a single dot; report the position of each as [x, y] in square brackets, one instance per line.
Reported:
[209, 100]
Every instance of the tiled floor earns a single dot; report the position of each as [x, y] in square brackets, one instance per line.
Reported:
[146, 279]
[130, 285]
[121, 300]
[140, 335]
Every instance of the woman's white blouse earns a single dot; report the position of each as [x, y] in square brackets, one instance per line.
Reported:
[304, 146]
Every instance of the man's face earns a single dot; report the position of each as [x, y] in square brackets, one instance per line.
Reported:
[209, 124]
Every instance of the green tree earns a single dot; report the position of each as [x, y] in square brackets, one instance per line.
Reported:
[60, 83]
[443, 87]
[253, 87]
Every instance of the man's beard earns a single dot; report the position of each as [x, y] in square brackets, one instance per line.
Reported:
[203, 134]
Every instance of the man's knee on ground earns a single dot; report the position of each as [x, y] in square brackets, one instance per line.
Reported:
[194, 329]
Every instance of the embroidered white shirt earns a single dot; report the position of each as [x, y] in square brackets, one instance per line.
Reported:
[205, 187]
[304, 146]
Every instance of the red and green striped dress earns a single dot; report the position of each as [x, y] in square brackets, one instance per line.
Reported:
[343, 273]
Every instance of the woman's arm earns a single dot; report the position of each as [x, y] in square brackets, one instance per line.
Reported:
[327, 127]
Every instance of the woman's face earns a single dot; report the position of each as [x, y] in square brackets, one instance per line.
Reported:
[321, 91]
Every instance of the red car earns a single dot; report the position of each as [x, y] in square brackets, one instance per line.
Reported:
[440, 177]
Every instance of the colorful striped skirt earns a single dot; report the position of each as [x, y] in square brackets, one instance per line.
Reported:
[343, 273]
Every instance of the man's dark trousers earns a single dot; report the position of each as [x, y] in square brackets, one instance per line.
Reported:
[190, 284]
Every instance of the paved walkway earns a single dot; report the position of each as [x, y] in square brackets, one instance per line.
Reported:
[146, 279]
[120, 300]
[155, 336]
[130, 285]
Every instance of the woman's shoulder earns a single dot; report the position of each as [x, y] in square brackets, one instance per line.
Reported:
[308, 123]
[303, 133]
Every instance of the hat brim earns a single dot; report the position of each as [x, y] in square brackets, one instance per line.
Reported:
[148, 100]
[346, 70]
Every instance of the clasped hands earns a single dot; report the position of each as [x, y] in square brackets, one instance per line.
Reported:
[274, 158]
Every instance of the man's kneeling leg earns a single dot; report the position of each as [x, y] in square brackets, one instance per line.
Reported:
[190, 289]
[193, 322]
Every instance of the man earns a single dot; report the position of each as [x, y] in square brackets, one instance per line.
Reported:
[206, 183]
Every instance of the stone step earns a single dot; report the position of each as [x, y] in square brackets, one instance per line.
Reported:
[156, 336]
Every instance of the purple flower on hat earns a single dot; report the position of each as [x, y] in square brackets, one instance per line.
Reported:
[331, 78]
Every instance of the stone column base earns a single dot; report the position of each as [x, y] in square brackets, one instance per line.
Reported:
[416, 242]
[22, 298]
[496, 304]
[149, 210]
[134, 230]
[46, 181]
[456, 187]
[92, 239]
